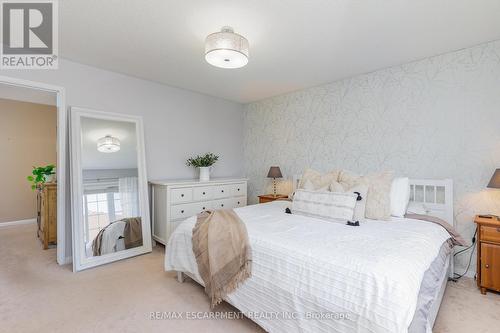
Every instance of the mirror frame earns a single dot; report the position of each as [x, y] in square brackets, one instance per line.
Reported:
[80, 260]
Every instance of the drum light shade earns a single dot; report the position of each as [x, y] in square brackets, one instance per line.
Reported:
[495, 180]
[226, 49]
[108, 144]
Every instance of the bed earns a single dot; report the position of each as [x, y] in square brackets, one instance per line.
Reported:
[112, 240]
[310, 275]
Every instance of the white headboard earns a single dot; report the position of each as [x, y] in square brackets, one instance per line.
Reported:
[435, 194]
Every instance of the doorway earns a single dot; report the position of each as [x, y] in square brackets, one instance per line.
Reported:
[28, 97]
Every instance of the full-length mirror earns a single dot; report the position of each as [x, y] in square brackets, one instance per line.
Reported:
[110, 208]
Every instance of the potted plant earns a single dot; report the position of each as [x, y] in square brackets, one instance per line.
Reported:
[41, 175]
[203, 162]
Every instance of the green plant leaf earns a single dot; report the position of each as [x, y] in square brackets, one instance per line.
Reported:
[206, 160]
[30, 178]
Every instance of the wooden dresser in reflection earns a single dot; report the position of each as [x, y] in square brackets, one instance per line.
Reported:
[47, 214]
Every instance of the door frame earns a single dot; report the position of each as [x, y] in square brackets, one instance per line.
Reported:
[61, 147]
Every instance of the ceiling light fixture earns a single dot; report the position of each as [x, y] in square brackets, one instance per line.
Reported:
[226, 49]
[108, 144]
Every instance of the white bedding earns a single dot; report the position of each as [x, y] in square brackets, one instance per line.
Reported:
[304, 267]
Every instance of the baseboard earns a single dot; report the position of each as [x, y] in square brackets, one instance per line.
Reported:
[20, 222]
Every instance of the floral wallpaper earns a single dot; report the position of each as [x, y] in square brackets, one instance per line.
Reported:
[434, 118]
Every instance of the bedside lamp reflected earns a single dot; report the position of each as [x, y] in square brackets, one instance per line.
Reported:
[274, 172]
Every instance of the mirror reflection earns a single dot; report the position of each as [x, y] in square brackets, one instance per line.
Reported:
[111, 213]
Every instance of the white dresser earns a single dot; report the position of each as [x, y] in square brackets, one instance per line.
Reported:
[175, 200]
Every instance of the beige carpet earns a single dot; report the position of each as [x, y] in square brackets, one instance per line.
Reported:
[37, 295]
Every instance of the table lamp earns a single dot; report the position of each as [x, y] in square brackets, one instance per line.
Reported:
[275, 172]
[495, 180]
[495, 183]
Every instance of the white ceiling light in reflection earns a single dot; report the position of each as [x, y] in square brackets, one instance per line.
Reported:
[108, 144]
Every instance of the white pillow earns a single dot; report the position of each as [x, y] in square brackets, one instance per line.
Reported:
[400, 196]
[324, 205]
[417, 208]
[362, 189]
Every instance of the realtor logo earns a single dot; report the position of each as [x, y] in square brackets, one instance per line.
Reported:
[29, 34]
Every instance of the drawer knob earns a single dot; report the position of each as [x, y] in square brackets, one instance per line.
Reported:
[182, 194]
[203, 193]
[238, 202]
[182, 211]
[238, 189]
[203, 208]
[487, 266]
[222, 191]
[222, 205]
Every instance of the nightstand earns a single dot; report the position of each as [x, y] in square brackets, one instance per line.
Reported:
[270, 197]
[488, 253]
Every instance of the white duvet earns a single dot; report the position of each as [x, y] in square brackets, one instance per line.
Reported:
[310, 275]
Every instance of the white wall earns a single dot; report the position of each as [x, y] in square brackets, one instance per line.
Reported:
[177, 123]
[435, 118]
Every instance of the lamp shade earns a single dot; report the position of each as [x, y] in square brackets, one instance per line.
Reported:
[274, 172]
[226, 49]
[495, 180]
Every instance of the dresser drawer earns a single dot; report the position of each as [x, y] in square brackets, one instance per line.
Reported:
[490, 234]
[181, 195]
[203, 193]
[238, 190]
[238, 202]
[223, 204]
[222, 191]
[203, 206]
[183, 211]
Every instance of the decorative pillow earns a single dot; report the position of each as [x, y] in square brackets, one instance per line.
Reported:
[317, 179]
[362, 190]
[336, 187]
[308, 185]
[378, 202]
[348, 179]
[360, 209]
[324, 205]
[400, 196]
[378, 199]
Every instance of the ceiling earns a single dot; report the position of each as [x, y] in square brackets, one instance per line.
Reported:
[30, 95]
[94, 129]
[294, 44]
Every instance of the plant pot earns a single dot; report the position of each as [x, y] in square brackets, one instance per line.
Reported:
[204, 174]
[50, 178]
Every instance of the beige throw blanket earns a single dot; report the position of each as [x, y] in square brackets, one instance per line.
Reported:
[132, 235]
[222, 252]
[456, 239]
